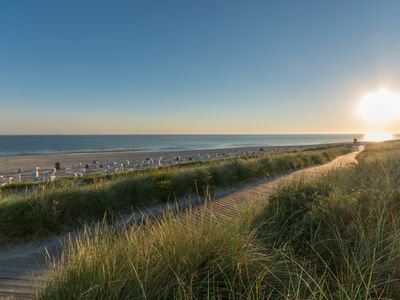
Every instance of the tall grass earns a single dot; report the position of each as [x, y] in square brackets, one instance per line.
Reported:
[337, 237]
[170, 258]
[315, 155]
[53, 207]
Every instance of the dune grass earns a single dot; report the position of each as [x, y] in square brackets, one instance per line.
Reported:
[337, 237]
[54, 207]
[315, 155]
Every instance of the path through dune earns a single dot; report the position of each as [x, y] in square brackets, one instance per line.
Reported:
[21, 267]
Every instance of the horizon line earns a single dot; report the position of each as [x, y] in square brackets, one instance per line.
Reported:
[166, 134]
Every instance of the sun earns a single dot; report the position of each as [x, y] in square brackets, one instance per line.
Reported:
[380, 107]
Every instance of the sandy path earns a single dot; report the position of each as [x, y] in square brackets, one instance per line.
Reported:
[21, 266]
[229, 205]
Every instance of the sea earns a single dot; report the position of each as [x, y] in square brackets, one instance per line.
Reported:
[27, 145]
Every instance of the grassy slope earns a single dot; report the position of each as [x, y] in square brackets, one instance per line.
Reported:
[334, 238]
[64, 204]
[307, 158]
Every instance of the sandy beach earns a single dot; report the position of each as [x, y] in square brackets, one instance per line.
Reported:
[128, 159]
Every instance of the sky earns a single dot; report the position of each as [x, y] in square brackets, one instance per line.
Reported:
[192, 67]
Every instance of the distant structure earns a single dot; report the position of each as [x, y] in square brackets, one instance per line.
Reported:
[355, 141]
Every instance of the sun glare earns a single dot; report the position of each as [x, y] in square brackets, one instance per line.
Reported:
[378, 137]
[380, 107]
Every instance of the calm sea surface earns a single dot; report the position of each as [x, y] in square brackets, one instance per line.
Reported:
[46, 144]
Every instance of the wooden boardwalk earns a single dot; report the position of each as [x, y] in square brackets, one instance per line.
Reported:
[22, 266]
[229, 205]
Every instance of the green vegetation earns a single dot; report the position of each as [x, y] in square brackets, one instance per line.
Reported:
[93, 178]
[52, 207]
[337, 237]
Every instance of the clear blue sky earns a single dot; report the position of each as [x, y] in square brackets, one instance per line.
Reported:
[193, 66]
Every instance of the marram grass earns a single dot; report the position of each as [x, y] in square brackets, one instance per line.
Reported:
[49, 208]
[337, 237]
[175, 257]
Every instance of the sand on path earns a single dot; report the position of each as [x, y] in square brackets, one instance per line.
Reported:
[22, 266]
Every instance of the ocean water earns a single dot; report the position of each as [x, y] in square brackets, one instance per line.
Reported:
[52, 144]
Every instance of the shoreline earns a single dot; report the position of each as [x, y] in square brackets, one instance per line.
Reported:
[110, 161]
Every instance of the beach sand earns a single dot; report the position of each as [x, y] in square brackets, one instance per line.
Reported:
[10, 165]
